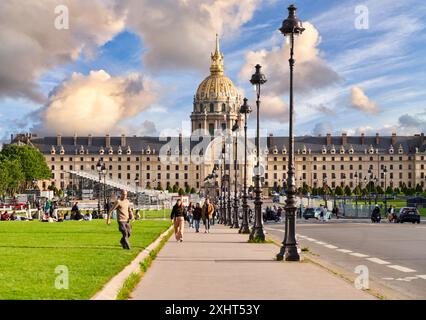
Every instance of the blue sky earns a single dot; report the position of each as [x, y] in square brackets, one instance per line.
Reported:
[387, 63]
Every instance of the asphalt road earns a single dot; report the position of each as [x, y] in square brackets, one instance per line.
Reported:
[395, 254]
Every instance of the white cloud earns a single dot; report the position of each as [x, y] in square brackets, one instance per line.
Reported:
[31, 45]
[360, 101]
[95, 103]
[322, 128]
[311, 71]
[181, 33]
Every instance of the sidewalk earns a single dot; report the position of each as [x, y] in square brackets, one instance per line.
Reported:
[222, 265]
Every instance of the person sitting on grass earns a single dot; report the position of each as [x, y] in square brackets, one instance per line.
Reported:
[88, 216]
[3, 216]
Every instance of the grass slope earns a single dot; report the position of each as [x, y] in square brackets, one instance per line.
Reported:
[30, 252]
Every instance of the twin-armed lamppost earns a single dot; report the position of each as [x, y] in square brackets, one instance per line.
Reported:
[291, 27]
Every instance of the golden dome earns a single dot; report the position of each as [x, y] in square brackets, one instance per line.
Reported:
[217, 85]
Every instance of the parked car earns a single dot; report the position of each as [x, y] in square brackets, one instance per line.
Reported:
[309, 213]
[408, 214]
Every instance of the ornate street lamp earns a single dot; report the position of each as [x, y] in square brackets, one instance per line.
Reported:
[257, 79]
[245, 110]
[223, 181]
[235, 129]
[385, 171]
[137, 191]
[229, 207]
[100, 168]
[291, 27]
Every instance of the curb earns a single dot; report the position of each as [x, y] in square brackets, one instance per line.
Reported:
[112, 287]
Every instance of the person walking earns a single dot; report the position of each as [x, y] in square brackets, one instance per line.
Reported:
[207, 214]
[124, 215]
[190, 217]
[178, 217]
[196, 215]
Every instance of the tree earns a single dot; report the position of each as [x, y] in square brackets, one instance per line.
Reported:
[348, 191]
[32, 162]
[11, 176]
[187, 189]
[379, 190]
[181, 192]
[170, 189]
[357, 191]
[419, 188]
[339, 191]
[389, 190]
[160, 188]
[175, 188]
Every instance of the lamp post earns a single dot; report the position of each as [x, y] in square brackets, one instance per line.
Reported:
[356, 192]
[229, 207]
[245, 110]
[137, 191]
[235, 129]
[365, 187]
[257, 79]
[100, 168]
[291, 27]
[223, 170]
[385, 171]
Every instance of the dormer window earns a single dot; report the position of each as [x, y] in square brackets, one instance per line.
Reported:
[324, 150]
[120, 152]
[101, 151]
[62, 151]
[333, 150]
[371, 150]
[128, 151]
[284, 150]
[81, 150]
[275, 151]
[110, 151]
[351, 150]
[400, 149]
[52, 150]
[342, 150]
[391, 150]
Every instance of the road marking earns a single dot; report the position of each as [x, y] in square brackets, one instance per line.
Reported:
[300, 236]
[311, 239]
[344, 250]
[422, 276]
[378, 261]
[330, 246]
[359, 255]
[319, 242]
[400, 268]
[388, 278]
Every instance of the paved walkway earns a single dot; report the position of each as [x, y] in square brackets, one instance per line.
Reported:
[222, 265]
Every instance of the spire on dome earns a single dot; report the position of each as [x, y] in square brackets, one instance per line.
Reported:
[217, 66]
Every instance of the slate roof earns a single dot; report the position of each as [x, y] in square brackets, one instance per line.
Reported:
[314, 143]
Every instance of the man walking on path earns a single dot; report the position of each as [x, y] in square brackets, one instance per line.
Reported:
[178, 217]
[124, 215]
[207, 214]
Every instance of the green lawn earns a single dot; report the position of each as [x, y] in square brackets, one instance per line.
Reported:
[156, 214]
[400, 204]
[30, 252]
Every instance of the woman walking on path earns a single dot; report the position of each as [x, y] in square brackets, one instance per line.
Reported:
[197, 217]
[207, 214]
[178, 217]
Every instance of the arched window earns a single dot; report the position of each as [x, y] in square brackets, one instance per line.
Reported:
[201, 107]
[211, 107]
[223, 107]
